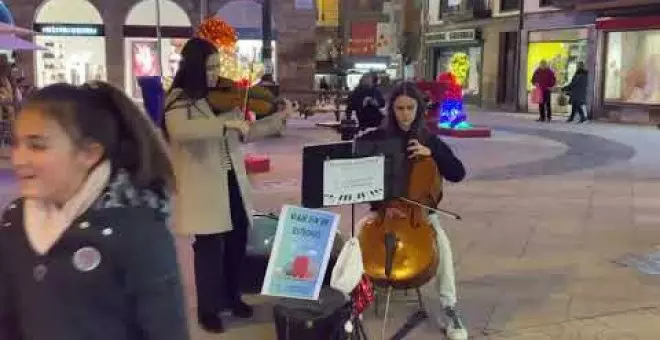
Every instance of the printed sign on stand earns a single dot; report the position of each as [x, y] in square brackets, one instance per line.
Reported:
[301, 252]
[350, 181]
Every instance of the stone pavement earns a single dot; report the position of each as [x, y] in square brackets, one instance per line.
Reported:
[546, 208]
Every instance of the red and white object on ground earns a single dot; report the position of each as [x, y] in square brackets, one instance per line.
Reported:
[255, 163]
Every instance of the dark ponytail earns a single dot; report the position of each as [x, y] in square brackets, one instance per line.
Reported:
[99, 112]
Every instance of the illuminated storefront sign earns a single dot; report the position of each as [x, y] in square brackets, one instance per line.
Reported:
[70, 30]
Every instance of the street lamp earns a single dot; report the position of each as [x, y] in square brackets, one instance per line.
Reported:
[267, 48]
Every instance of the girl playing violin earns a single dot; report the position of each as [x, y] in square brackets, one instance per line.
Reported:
[405, 120]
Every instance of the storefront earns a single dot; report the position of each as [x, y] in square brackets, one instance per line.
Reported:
[141, 43]
[630, 69]
[459, 52]
[562, 38]
[562, 50]
[75, 42]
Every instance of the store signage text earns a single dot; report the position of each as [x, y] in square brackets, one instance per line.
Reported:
[70, 30]
[458, 35]
[363, 38]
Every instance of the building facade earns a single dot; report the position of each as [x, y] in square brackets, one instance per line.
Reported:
[562, 37]
[481, 35]
[116, 40]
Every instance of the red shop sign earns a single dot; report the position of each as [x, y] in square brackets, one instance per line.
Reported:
[363, 38]
[628, 23]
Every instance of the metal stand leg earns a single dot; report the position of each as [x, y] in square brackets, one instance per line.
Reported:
[387, 311]
[414, 320]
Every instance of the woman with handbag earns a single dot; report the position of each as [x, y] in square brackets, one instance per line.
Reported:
[577, 90]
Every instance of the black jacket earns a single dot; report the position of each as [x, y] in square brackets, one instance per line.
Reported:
[133, 293]
[368, 115]
[451, 168]
[577, 88]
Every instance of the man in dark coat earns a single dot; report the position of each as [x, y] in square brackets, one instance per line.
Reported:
[544, 78]
[367, 101]
[577, 90]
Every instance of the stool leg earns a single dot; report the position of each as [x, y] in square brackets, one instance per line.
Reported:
[420, 299]
[387, 311]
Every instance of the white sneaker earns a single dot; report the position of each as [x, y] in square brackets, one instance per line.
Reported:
[455, 328]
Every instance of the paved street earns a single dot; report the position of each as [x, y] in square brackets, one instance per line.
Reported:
[546, 207]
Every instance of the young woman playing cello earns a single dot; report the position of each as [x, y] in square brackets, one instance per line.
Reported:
[405, 120]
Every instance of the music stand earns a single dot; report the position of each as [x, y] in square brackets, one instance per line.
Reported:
[381, 153]
[315, 182]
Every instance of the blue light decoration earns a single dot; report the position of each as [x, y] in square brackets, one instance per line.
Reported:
[452, 116]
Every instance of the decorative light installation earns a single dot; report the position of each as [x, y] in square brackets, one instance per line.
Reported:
[451, 114]
[232, 65]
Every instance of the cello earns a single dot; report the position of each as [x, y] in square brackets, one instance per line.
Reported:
[412, 257]
[401, 252]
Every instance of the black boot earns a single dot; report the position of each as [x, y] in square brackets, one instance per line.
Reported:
[242, 310]
[210, 322]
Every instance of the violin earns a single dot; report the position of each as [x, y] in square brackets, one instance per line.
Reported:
[401, 252]
[227, 95]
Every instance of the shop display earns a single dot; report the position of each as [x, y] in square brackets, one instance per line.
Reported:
[74, 60]
[632, 71]
[562, 57]
[144, 62]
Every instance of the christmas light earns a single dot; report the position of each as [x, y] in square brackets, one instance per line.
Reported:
[452, 115]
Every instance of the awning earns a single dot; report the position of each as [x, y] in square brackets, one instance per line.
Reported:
[6, 28]
[12, 42]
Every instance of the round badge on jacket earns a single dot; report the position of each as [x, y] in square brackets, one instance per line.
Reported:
[86, 259]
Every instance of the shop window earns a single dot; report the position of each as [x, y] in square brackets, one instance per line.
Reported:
[545, 3]
[74, 41]
[509, 5]
[562, 57]
[632, 68]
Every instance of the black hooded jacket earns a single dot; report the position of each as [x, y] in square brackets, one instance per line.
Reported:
[451, 168]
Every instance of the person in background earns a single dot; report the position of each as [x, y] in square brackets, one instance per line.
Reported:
[85, 252]
[577, 90]
[325, 91]
[7, 90]
[544, 79]
[367, 101]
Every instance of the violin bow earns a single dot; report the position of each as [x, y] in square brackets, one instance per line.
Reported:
[453, 216]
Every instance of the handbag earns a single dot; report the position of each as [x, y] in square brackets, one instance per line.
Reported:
[349, 267]
[536, 95]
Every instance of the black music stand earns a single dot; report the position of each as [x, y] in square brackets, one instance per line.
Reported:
[313, 180]
[395, 171]
[313, 176]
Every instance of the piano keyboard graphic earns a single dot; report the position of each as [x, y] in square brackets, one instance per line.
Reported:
[359, 197]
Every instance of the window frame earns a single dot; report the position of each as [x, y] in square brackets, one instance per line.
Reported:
[505, 7]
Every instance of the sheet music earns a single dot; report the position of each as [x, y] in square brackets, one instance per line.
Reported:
[357, 180]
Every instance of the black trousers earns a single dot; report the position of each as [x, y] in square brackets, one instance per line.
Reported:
[219, 258]
[545, 107]
[577, 109]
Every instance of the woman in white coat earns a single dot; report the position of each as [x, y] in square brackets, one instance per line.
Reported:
[213, 203]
